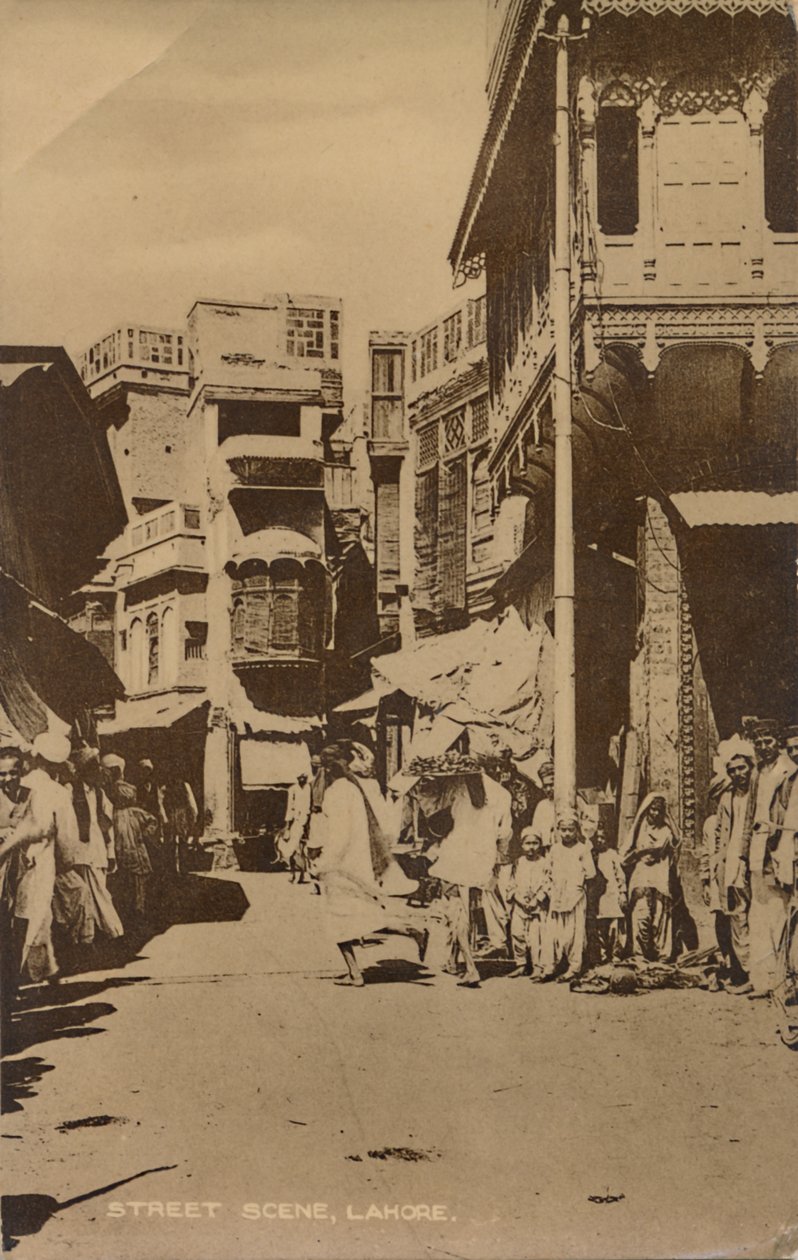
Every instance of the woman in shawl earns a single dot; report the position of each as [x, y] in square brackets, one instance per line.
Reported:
[352, 834]
[649, 858]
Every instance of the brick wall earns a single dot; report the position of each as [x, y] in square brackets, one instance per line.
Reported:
[151, 451]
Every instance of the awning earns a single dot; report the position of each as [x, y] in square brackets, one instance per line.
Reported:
[367, 702]
[155, 713]
[736, 507]
[46, 668]
[60, 502]
[272, 763]
[248, 720]
[496, 675]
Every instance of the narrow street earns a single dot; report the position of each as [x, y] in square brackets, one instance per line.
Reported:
[222, 1067]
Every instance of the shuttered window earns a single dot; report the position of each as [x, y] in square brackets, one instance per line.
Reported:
[426, 538]
[387, 534]
[781, 156]
[257, 616]
[452, 534]
[285, 615]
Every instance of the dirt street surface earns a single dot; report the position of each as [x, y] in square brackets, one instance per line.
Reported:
[235, 1090]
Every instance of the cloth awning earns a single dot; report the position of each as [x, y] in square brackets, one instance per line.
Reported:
[46, 668]
[60, 501]
[156, 713]
[497, 676]
[736, 507]
[269, 763]
[249, 720]
[365, 703]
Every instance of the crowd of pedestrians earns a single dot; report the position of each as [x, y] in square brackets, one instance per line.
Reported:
[85, 856]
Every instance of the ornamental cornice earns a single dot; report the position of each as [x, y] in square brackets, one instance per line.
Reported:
[628, 8]
[757, 329]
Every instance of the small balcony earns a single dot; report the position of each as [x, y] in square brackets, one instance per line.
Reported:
[169, 538]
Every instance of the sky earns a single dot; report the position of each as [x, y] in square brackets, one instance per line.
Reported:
[157, 151]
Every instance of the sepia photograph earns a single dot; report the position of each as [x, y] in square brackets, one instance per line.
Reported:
[399, 629]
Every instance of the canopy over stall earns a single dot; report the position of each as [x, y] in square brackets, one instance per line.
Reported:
[157, 713]
[494, 677]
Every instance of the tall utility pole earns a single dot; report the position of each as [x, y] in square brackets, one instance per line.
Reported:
[564, 650]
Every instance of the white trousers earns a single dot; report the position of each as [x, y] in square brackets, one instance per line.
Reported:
[527, 932]
[767, 919]
[495, 906]
[564, 938]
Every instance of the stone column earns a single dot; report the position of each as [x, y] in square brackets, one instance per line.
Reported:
[658, 668]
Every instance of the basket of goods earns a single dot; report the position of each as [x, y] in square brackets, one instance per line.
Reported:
[444, 765]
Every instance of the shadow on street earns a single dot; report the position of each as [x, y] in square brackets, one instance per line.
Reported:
[25, 1214]
[46, 1012]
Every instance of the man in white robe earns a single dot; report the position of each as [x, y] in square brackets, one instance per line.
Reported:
[766, 861]
[41, 812]
[353, 836]
[82, 904]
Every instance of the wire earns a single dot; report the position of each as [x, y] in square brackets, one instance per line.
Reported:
[613, 428]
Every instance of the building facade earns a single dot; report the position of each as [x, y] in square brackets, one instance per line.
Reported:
[684, 329]
[430, 443]
[229, 624]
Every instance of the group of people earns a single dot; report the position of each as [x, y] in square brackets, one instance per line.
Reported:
[84, 852]
[558, 895]
[749, 857]
[552, 894]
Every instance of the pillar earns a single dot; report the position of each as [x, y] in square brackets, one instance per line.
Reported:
[648, 114]
[656, 673]
[755, 108]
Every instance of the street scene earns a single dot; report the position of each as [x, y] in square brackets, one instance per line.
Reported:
[213, 1070]
[399, 629]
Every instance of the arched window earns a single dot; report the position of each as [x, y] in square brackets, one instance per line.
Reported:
[169, 647]
[277, 609]
[153, 649]
[781, 156]
[238, 629]
[135, 658]
[617, 193]
[311, 610]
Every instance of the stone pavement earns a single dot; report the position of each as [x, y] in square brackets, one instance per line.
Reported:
[222, 1067]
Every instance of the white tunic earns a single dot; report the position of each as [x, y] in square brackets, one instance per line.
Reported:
[353, 900]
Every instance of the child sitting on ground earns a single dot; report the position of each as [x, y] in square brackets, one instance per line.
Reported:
[572, 866]
[528, 895]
